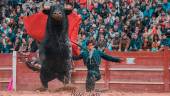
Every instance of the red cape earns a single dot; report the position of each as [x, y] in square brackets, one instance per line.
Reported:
[35, 26]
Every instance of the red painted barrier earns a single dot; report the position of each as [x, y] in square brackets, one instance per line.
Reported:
[149, 72]
[5, 71]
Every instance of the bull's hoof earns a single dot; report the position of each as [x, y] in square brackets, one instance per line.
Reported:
[66, 88]
[42, 89]
[101, 90]
[93, 93]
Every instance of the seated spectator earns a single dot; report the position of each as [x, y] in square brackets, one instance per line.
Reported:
[104, 11]
[1, 45]
[136, 43]
[83, 41]
[164, 41]
[148, 12]
[93, 32]
[109, 44]
[166, 5]
[116, 42]
[84, 14]
[24, 46]
[146, 46]
[155, 43]
[17, 44]
[101, 44]
[124, 43]
[32, 45]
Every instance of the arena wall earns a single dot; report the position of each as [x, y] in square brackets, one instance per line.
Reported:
[147, 72]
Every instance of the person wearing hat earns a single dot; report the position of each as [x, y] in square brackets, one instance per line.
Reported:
[92, 60]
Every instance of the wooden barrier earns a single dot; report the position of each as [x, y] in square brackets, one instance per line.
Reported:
[166, 65]
[5, 70]
[149, 72]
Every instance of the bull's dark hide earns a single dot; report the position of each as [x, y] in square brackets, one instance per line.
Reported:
[54, 49]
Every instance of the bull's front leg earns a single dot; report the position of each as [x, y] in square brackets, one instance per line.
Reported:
[65, 78]
[45, 77]
[44, 82]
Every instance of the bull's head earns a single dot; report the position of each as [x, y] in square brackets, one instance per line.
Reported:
[58, 11]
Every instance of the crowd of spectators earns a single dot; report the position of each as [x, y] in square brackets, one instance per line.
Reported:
[117, 25]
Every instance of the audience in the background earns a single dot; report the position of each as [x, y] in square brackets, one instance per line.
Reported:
[117, 25]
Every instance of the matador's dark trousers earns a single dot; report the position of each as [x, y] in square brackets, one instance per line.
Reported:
[93, 75]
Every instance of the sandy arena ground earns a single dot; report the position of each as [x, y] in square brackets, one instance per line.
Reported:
[66, 93]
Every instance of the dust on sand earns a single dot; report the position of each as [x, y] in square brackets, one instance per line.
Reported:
[62, 92]
[74, 91]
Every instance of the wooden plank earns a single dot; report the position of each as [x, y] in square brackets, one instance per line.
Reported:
[85, 69]
[136, 69]
[135, 82]
[5, 80]
[5, 68]
[83, 82]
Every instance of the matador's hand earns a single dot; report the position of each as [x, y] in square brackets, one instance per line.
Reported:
[122, 60]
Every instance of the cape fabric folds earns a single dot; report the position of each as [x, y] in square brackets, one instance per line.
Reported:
[35, 26]
[74, 21]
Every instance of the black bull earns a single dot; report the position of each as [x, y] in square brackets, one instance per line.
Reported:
[54, 49]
